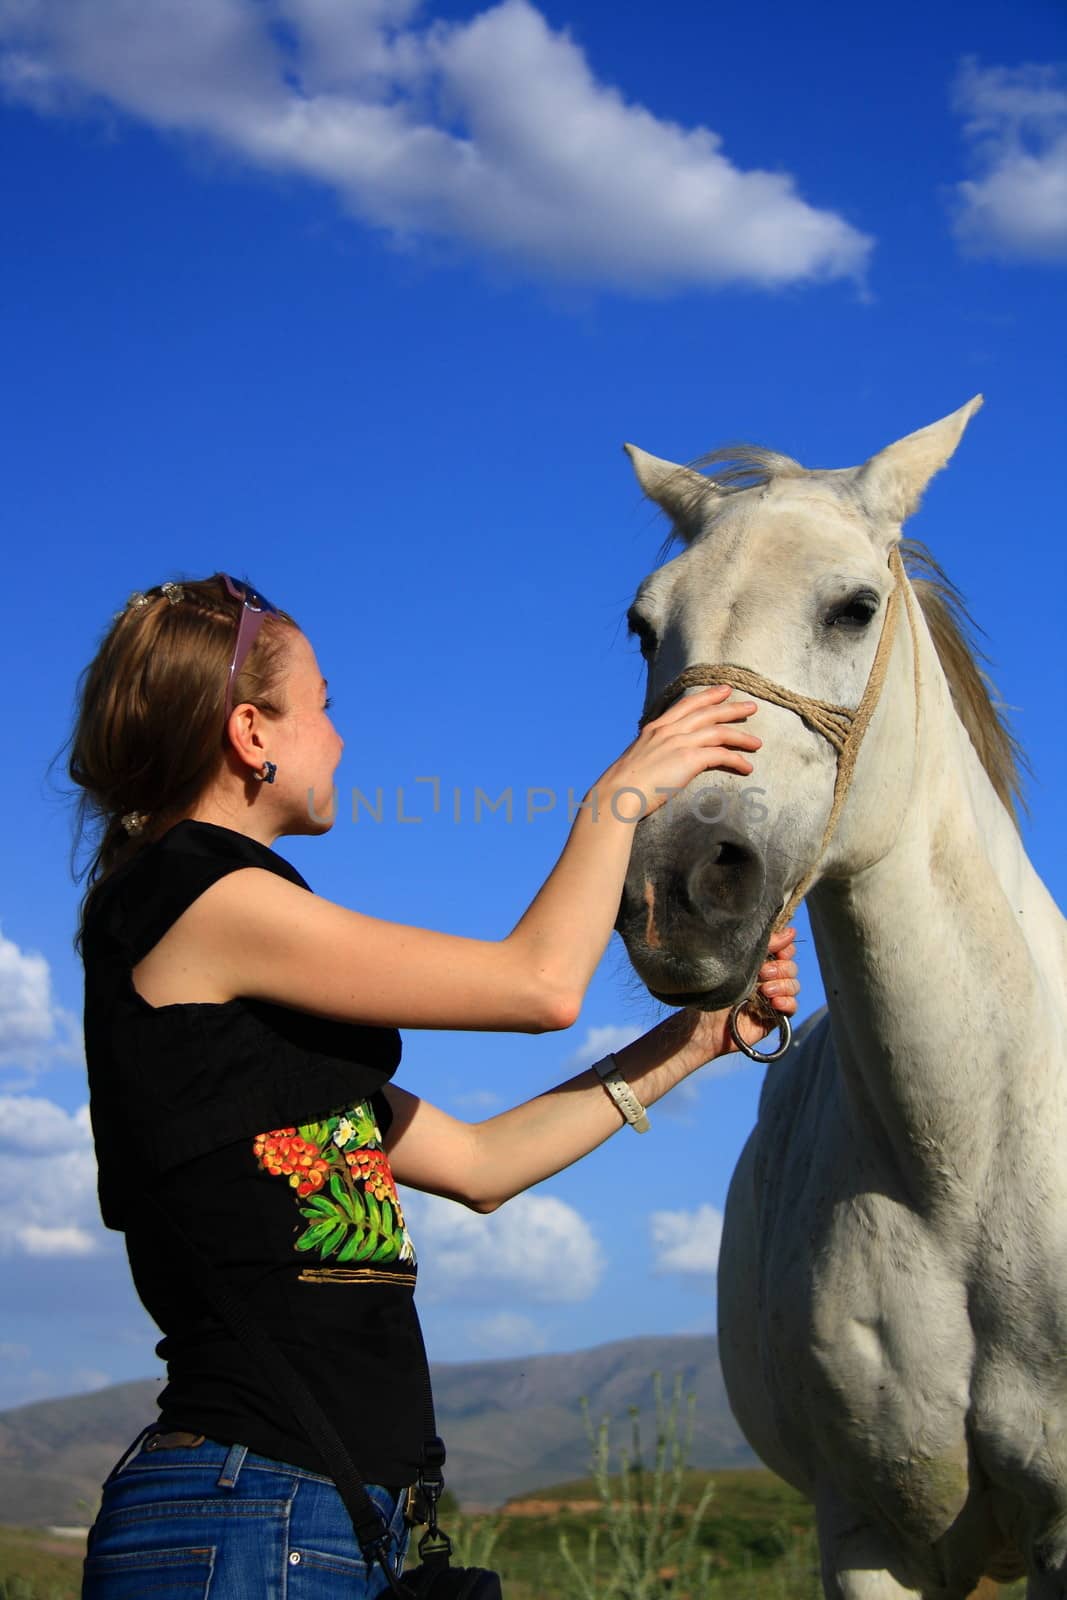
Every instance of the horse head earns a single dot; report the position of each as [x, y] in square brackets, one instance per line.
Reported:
[791, 575]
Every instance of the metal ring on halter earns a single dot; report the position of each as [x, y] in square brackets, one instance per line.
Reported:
[785, 1037]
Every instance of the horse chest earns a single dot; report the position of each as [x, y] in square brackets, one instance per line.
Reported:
[892, 1349]
[862, 1312]
[882, 1326]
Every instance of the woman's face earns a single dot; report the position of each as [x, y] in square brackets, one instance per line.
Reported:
[304, 744]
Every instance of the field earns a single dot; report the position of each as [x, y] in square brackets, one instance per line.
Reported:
[757, 1534]
[755, 1541]
[38, 1565]
[643, 1526]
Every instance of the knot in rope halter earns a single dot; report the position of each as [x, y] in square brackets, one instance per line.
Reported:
[840, 726]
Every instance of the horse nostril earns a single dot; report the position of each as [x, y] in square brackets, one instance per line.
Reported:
[728, 854]
[727, 878]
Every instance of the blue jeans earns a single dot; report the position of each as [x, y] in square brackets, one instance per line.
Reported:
[215, 1522]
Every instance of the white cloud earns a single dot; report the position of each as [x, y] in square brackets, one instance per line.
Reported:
[1016, 126]
[682, 1100]
[478, 1100]
[535, 1248]
[507, 1333]
[598, 1042]
[601, 1041]
[25, 1381]
[687, 1241]
[34, 1030]
[38, 1241]
[87, 1378]
[25, 998]
[48, 1204]
[493, 131]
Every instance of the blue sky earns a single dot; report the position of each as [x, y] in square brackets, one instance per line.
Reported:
[362, 300]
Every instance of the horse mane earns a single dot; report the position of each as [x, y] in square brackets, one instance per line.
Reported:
[974, 695]
[741, 466]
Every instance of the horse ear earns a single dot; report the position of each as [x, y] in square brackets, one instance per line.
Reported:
[685, 495]
[892, 482]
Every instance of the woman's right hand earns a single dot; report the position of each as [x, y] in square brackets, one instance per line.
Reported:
[698, 733]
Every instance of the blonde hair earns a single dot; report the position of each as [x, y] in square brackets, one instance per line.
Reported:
[149, 732]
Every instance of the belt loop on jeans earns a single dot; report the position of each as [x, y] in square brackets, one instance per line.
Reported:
[231, 1467]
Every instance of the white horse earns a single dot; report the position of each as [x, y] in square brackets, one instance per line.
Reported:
[893, 1279]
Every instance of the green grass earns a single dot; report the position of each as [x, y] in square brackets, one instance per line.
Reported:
[752, 1527]
[759, 1537]
[38, 1565]
[756, 1542]
[756, 1538]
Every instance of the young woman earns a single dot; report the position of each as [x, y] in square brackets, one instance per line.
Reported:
[241, 1037]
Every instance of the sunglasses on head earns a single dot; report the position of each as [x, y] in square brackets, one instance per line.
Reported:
[254, 608]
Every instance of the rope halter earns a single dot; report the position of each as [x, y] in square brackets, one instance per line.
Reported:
[840, 726]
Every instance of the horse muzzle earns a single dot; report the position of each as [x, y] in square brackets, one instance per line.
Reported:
[696, 912]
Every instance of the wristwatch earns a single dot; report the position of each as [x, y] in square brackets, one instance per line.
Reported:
[620, 1091]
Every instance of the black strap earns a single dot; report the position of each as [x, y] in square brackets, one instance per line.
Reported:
[367, 1520]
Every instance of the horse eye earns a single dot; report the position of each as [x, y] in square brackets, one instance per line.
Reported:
[855, 612]
[645, 636]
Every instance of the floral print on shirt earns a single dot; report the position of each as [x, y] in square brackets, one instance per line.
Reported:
[340, 1171]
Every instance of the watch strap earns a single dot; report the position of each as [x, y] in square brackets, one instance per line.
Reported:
[620, 1091]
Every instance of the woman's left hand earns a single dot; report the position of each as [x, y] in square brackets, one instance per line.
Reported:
[777, 983]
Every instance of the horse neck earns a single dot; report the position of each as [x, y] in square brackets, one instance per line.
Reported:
[943, 966]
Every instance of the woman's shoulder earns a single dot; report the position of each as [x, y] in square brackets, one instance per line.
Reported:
[193, 851]
[192, 840]
[141, 899]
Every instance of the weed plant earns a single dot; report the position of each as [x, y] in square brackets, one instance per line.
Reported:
[18, 1588]
[474, 1540]
[651, 1537]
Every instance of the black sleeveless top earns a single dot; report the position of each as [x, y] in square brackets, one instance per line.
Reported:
[259, 1127]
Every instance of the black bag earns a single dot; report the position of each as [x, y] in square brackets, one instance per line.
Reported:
[430, 1582]
[433, 1578]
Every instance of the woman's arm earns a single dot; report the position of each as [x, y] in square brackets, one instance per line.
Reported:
[566, 929]
[257, 935]
[485, 1163]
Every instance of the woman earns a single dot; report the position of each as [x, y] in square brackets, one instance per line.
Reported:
[241, 1034]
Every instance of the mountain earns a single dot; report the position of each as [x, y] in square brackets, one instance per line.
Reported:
[516, 1425]
[510, 1426]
